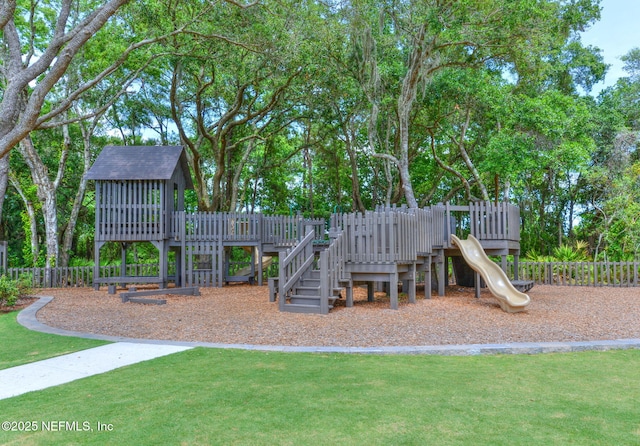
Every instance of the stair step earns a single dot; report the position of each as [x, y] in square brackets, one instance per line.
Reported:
[305, 281]
[300, 308]
[310, 300]
[308, 290]
[305, 299]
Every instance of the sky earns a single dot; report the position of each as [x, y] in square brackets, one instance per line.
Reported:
[617, 32]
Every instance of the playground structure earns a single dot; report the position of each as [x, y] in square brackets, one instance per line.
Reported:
[140, 197]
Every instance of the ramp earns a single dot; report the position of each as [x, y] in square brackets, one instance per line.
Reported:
[510, 299]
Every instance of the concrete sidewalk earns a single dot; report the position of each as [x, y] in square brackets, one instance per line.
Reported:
[63, 369]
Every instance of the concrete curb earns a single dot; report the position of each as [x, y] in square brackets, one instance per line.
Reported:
[27, 318]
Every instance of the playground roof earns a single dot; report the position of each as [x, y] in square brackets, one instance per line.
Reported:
[140, 163]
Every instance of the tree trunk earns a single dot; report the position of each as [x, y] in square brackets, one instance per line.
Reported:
[419, 66]
[308, 183]
[46, 190]
[403, 162]
[33, 225]
[355, 180]
[236, 176]
[467, 159]
[4, 180]
[67, 238]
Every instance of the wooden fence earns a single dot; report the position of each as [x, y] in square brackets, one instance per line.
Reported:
[79, 276]
[614, 274]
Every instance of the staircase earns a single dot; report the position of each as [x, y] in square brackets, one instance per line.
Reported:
[310, 284]
[306, 295]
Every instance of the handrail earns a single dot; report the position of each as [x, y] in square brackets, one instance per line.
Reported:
[293, 264]
[332, 269]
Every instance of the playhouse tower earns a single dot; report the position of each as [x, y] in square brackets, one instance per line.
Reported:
[138, 188]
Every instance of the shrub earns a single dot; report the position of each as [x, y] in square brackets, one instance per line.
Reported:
[11, 290]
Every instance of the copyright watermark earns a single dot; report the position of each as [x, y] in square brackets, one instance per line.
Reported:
[56, 426]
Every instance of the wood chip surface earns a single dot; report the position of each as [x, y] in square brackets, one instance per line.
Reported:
[242, 314]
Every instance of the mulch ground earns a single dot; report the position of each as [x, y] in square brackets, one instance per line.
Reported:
[242, 314]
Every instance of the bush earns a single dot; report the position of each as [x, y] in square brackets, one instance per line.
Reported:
[11, 290]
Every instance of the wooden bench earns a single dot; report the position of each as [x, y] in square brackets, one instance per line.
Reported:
[135, 296]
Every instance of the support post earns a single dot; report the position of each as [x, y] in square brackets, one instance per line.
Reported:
[96, 265]
[260, 266]
[393, 290]
[442, 275]
[427, 278]
[411, 282]
[182, 231]
[123, 262]
[370, 292]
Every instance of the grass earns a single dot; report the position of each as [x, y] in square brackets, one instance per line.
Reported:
[21, 346]
[208, 396]
[211, 396]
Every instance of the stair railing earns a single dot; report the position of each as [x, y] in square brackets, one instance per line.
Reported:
[293, 264]
[332, 270]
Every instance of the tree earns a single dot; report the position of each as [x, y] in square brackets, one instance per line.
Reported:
[609, 190]
[39, 44]
[404, 45]
[230, 92]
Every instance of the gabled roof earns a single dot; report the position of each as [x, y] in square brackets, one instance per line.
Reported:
[139, 163]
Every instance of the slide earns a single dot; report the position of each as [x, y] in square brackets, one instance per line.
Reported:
[266, 261]
[510, 299]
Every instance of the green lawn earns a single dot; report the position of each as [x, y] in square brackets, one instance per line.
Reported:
[209, 396]
[20, 346]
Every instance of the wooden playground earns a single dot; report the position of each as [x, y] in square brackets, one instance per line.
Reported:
[140, 198]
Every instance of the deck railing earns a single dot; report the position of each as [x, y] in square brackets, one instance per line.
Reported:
[424, 233]
[213, 226]
[484, 220]
[280, 230]
[441, 231]
[418, 229]
[378, 237]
